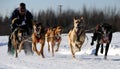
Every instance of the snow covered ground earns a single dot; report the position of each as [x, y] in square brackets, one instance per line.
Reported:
[85, 59]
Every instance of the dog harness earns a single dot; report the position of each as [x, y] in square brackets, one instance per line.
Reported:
[38, 39]
[104, 40]
[58, 38]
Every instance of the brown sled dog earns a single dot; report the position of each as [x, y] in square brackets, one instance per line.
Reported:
[76, 37]
[53, 35]
[38, 36]
[16, 37]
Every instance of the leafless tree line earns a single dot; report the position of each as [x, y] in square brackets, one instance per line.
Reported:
[50, 18]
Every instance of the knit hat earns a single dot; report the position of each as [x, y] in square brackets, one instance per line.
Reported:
[22, 6]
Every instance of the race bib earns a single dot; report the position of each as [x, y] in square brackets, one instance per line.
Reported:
[23, 23]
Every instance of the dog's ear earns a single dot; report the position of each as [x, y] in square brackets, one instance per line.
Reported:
[34, 22]
[81, 18]
[61, 28]
[34, 26]
[54, 29]
[74, 18]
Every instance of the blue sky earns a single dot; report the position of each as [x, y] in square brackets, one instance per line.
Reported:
[7, 6]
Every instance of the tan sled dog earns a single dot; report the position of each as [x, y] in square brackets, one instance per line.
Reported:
[53, 35]
[38, 36]
[76, 37]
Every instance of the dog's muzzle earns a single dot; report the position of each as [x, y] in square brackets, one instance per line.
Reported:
[20, 38]
[38, 32]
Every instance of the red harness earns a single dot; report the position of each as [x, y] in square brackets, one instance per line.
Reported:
[58, 39]
[38, 39]
[104, 40]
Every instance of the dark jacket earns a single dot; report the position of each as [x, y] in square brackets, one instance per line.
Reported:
[28, 17]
